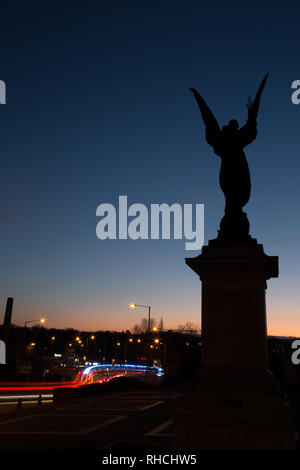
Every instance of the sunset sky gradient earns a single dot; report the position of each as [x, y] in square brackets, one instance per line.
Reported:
[98, 105]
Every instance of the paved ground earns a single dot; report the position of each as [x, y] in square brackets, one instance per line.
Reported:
[110, 423]
[139, 418]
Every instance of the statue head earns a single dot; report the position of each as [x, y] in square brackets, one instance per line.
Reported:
[231, 128]
[233, 124]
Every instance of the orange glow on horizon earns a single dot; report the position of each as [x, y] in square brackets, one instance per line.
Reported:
[282, 315]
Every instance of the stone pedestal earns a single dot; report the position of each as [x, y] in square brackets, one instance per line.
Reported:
[233, 402]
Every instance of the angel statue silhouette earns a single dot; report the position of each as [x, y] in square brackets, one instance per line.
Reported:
[228, 143]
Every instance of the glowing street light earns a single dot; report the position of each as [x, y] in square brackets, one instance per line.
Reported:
[51, 344]
[149, 310]
[40, 320]
[92, 337]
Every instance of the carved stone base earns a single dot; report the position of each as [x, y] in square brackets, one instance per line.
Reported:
[233, 403]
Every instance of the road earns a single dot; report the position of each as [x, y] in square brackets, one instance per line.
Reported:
[140, 419]
[91, 424]
[100, 373]
[17, 396]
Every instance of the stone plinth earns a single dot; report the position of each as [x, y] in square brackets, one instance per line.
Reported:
[233, 403]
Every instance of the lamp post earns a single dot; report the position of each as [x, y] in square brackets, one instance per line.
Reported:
[148, 327]
[40, 320]
[51, 344]
[149, 313]
[92, 337]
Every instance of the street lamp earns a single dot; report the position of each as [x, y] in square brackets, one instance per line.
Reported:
[92, 337]
[39, 320]
[51, 344]
[149, 310]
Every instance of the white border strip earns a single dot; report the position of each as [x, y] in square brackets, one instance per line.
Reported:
[156, 403]
[161, 427]
[16, 397]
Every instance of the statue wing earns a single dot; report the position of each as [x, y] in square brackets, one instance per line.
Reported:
[248, 132]
[213, 131]
[253, 110]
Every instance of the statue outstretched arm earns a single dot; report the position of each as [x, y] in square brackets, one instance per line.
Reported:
[248, 132]
[213, 131]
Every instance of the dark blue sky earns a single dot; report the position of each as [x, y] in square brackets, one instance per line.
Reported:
[98, 106]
